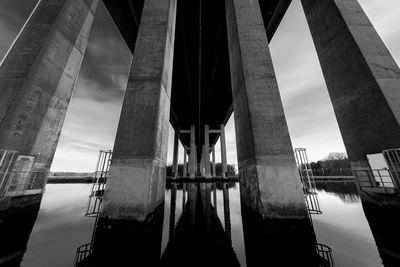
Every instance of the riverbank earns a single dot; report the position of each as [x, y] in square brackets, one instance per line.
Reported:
[87, 177]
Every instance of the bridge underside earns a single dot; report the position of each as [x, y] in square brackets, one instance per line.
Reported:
[201, 85]
[194, 62]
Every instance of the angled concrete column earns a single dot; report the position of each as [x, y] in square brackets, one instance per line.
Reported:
[362, 77]
[136, 181]
[223, 151]
[38, 75]
[175, 159]
[270, 183]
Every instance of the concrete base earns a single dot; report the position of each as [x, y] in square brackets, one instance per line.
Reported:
[285, 242]
[135, 189]
[269, 190]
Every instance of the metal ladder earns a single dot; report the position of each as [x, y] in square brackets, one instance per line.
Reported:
[99, 183]
[308, 181]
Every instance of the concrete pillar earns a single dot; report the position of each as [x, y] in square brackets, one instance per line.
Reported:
[185, 162]
[207, 151]
[270, 183]
[192, 156]
[38, 74]
[223, 151]
[202, 165]
[136, 181]
[362, 77]
[175, 155]
[213, 161]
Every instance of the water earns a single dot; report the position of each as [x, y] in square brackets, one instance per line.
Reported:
[60, 227]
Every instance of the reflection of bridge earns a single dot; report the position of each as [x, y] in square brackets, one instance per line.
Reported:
[194, 62]
[194, 234]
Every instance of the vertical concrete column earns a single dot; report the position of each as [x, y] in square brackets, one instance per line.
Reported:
[213, 161]
[223, 151]
[185, 161]
[38, 74]
[175, 157]
[207, 151]
[136, 181]
[202, 161]
[193, 160]
[270, 183]
[362, 77]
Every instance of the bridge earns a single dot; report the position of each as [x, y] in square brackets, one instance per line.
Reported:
[194, 63]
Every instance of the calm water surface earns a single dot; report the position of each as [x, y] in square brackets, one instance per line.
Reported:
[61, 227]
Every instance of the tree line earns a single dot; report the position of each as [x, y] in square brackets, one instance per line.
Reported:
[218, 169]
[335, 164]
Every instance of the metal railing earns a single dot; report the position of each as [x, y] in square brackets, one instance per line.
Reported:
[376, 178]
[392, 157]
[19, 182]
[82, 255]
[325, 255]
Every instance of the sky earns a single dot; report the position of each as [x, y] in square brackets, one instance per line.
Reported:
[93, 114]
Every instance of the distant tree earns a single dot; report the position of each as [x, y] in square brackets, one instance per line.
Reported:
[336, 156]
[231, 169]
[218, 169]
[335, 164]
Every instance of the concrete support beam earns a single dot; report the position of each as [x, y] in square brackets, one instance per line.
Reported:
[38, 75]
[136, 181]
[270, 183]
[175, 155]
[362, 77]
[223, 151]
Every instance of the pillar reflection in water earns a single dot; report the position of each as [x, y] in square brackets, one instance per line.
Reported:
[17, 217]
[383, 216]
[194, 234]
[200, 239]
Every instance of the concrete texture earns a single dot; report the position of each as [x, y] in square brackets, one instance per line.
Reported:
[38, 75]
[270, 184]
[136, 181]
[362, 77]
